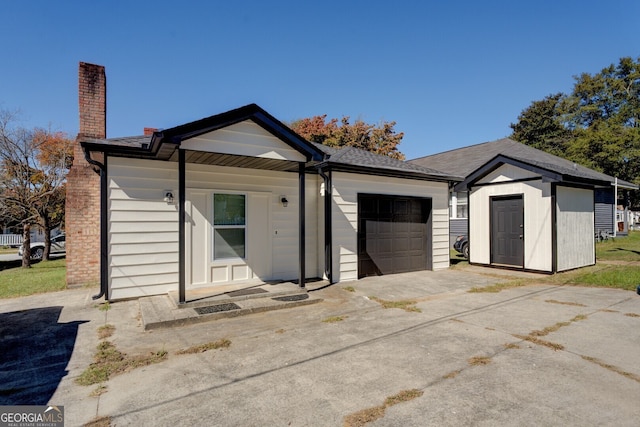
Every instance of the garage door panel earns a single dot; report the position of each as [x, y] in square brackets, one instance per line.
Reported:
[401, 227]
[384, 247]
[392, 234]
[384, 227]
[400, 245]
[416, 244]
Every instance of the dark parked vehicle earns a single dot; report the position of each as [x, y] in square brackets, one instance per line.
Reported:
[37, 248]
[462, 245]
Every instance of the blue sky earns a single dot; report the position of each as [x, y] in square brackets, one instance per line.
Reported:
[450, 73]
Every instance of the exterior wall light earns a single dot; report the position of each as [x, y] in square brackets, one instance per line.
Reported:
[168, 196]
[284, 201]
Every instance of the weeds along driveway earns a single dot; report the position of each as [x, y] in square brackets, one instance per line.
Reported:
[525, 356]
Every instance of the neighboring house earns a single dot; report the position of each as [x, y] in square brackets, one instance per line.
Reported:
[240, 198]
[12, 236]
[524, 208]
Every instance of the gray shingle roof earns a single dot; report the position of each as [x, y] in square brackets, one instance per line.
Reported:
[463, 161]
[357, 157]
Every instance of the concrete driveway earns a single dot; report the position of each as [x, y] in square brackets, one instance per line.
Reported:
[475, 357]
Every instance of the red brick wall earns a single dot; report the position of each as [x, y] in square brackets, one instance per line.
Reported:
[82, 211]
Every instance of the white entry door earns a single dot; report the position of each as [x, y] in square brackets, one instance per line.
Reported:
[230, 236]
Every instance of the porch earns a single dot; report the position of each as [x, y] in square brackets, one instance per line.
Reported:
[210, 303]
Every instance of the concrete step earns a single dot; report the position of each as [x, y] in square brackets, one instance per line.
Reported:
[161, 311]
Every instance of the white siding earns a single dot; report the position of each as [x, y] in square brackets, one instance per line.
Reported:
[243, 139]
[575, 222]
[344, 213]
[537, 222]
[143, 228]
[506, 173]
[283, 227]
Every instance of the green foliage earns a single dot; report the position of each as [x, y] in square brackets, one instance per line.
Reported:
[596, 125]
[379, 139]
[540, 126]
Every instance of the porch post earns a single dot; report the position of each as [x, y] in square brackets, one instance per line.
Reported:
[181, 226]
[301, 231]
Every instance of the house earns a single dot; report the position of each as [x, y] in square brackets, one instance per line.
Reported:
[238, 197]
[524, 208]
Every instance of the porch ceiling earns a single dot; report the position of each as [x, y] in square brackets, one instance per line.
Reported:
[219, 159]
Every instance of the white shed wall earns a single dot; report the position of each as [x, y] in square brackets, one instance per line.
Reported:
[575, 228]
[506, 173]
[344, 211]
[537, 222]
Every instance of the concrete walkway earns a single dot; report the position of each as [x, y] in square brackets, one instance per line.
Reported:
[530, 355]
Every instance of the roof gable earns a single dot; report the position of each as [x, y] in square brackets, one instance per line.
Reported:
[162, 144]
[546, 174]
[249, 112]
[244, 138]
[466, 160]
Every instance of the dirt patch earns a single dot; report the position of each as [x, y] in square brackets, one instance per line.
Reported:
[365, 416]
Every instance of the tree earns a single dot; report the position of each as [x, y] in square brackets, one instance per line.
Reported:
[32, 177]
[541, 127]
[54, 156]
[597, 124]
[379, 139]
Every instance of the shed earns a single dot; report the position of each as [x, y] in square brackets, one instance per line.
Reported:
[524, 208]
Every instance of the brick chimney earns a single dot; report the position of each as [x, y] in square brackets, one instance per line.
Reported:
[149, 131]
[82, 211]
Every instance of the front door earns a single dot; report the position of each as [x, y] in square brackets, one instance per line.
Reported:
[507, 231]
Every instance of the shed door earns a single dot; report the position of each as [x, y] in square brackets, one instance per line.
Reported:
[507, 231]
[393, 234]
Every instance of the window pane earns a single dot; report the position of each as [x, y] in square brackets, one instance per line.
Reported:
[228, 209]
[463, 211]
[228, 243]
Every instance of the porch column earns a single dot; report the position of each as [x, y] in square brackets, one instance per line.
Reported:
[301, 231]
[181, 226]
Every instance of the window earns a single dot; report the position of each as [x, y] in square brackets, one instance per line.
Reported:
[229, 226]
[459, 205]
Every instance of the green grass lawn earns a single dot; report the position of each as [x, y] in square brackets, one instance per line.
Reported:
[608, 276]
[620, 248]
[45, 276]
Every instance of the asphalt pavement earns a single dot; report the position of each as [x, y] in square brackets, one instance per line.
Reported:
[530, 355]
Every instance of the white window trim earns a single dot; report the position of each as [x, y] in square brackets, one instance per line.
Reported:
[214, 227]
[453, 212]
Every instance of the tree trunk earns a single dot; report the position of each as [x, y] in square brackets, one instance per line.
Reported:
[26, 245]
[47, 237]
